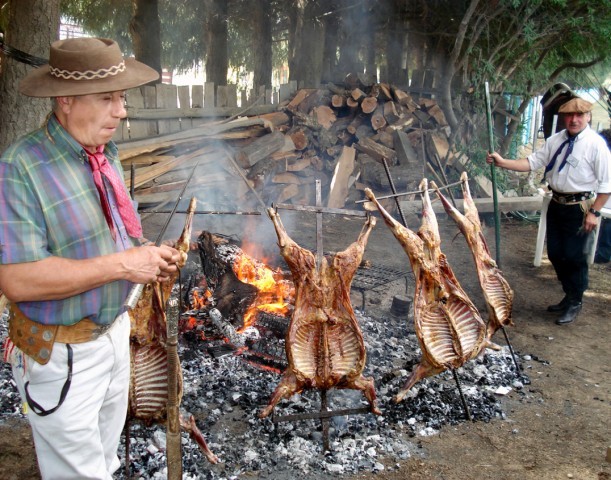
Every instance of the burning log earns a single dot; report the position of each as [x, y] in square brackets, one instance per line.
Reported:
[449, 328]
[324, 344]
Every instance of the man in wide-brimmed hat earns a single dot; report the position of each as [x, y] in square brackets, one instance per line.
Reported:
[69, 253]
[577, 166]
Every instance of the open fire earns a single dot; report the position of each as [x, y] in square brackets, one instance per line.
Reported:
[275, 293]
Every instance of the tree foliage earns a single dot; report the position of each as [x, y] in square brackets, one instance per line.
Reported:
[521, 47]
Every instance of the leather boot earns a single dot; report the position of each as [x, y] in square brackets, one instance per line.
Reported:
[570, 315]
[560, 307]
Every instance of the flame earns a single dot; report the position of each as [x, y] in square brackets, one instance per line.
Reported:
[274, 291]
[201, 297]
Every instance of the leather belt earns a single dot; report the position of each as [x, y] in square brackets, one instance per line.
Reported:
[83, 331]
[36, 339]
[571, 198]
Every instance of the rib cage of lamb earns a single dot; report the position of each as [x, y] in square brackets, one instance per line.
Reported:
[497, 292]
[448, 326]
[148, 391]
[324, 344]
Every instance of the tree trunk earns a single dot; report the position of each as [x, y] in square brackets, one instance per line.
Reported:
[216, 33]
[350, 39]
[329, 57]
[445, 95]
[262, 42]
[145, 29]
[32, 27]
[394, 36]
[306, 65]
[512, 128]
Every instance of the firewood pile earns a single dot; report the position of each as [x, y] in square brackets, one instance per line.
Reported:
[340, 135]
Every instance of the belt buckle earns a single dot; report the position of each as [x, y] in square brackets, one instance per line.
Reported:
[562, 200]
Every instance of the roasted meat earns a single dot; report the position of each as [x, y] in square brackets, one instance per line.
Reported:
[148, 391]
[324, 343]
[449, 328]
[497, 292]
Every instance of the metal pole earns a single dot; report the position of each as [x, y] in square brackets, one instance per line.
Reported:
[394, 191]
[462, 397]
[381, 197]
[497, 217]
[497, 232]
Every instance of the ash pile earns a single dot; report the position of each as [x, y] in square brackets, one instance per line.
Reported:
[229, 377]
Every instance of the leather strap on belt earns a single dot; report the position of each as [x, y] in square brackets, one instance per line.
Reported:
[36, 339]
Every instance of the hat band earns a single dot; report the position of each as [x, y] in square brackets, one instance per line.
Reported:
[88, 74]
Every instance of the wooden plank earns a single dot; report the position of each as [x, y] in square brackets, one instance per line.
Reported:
[221, 96]
[406, 155]
[197, 96]
[184, 101]
[287, 177]
[137, 128]
[232, 95]
[167, 98]
[209, 95]
[146, 174]
[285, 92]
[152, 113]
[207, 130]
[340, 182]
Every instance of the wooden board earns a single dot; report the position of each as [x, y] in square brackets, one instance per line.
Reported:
[339, 183]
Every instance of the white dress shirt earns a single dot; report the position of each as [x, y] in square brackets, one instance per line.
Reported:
[588, 168]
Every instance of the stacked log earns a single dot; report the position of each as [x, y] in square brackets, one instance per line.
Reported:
[340, 135]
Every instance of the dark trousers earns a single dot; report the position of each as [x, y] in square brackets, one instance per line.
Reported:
[603, 250]
[567, 248]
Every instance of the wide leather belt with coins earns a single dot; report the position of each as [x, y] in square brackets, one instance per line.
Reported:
[571, 198]
[36, 339]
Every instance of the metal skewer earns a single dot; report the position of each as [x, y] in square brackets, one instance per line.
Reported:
[136, 292]
[410, 193]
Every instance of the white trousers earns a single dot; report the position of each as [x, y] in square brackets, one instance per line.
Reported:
[80, 439]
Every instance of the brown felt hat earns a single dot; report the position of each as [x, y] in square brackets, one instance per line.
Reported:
[575, 105]
[80, 66]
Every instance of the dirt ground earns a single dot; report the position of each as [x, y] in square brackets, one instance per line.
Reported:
[562, 434]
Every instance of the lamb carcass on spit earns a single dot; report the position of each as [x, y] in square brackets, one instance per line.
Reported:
[448, 326]
[324, 344]
[497, 292]
[148, 391]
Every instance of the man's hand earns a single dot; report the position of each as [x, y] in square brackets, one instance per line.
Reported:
[150, 264]
[590, 222]
[494, 157]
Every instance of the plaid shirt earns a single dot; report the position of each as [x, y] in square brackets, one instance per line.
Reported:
[49, 206]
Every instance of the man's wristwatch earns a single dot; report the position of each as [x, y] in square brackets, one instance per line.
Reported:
[596, 213]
